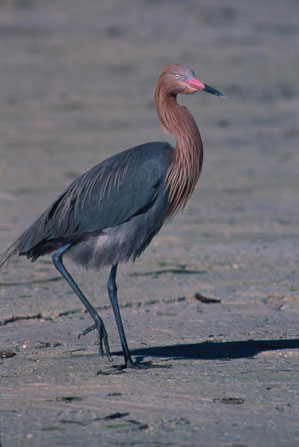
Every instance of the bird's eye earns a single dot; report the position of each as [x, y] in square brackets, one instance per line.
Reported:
[177, 76]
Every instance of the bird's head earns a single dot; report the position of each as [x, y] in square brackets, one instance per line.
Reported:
[179, 79]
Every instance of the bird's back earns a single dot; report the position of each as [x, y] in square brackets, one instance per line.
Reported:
[123, 195]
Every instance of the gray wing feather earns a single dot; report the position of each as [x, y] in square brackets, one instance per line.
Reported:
[108, 194]
[120, 187]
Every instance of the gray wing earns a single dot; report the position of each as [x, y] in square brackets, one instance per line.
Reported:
[112, 192]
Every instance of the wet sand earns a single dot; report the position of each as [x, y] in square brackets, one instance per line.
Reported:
[77, 86]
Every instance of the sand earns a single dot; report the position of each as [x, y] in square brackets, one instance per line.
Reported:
[77, 82]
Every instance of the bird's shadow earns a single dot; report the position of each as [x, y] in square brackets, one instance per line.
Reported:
[214, 350]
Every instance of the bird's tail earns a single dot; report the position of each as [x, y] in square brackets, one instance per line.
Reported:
[10, 253]
[23, 245]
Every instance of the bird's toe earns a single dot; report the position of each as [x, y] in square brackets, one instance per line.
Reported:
[99, 326]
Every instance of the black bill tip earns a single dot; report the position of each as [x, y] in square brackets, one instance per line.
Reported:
[215, 92]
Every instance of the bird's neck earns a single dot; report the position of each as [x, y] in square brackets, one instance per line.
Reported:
[184, 170]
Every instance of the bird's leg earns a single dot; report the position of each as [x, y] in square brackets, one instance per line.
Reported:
[99, 324]
[112, 292]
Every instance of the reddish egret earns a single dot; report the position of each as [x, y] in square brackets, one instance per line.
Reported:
[111, 213]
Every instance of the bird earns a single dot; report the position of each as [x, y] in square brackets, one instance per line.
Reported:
[111, 213]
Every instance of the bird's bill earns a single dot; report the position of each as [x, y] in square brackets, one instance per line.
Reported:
[212, 90]
[196, 84]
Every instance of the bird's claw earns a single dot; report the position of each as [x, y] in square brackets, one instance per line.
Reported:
[130, 364]
[87, 330]
[102, 337]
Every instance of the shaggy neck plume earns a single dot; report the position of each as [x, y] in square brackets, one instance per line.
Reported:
[184, 170]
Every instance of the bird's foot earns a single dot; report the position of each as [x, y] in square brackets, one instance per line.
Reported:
[87, 330]
[102, 337]
[133, 365]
